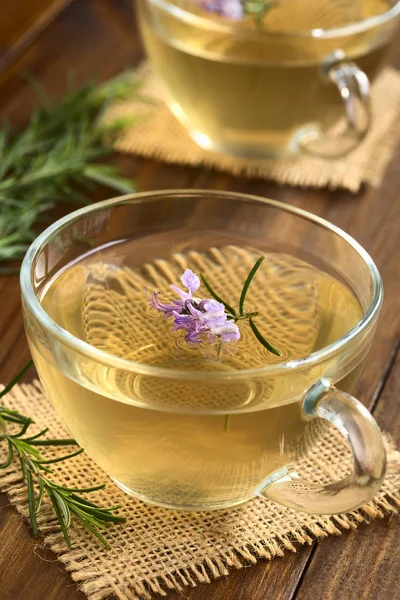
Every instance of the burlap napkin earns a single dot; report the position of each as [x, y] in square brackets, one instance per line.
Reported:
[158, 549]
[162, 137]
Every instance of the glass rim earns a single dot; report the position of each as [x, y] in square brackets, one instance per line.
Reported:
[83, 347]
[316, 33]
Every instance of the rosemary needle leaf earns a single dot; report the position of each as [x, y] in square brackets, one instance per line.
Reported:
[40, 496]
[79, 500]
[37, 435]
[95, 488]
[31, 503]
[108, 175]
[63, 506]
[93, 529]
[60, 458]
[60, 518]
[23, 430]
[9, 458]
[103, 516]
[12, 418]
[262, 339]
[56, 442]
[247, 283]
[11, 385]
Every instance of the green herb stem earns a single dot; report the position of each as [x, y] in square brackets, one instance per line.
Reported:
[66, 502]
[247, 283]
[227, 421]
[262, 339]
[10, 385]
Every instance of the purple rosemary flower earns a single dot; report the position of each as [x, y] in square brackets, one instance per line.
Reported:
[238, 9]
[231, 9]
[199, 317]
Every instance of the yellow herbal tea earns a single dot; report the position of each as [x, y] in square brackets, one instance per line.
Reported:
[190, 443]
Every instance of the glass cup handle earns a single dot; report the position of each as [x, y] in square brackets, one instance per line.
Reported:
[354, 88]
[364, 437]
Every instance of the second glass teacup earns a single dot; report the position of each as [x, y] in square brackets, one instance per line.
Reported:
[200, 424]
[275, 89]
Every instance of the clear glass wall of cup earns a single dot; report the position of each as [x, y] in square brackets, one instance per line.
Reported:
[298, 84]
[157, 427]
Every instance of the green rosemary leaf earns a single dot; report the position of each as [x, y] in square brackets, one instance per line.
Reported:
[85, 516]
[262, 339]
[59, 517]
[63, 506]
[9, 458]
[108, 175]
[93, 508]
[60, 458]
[11, 385]
[31, 502]
[95, 488]
[21, 462]
[44, 468]
[78, 499]
[11, 418]
[26, 448]
[215, 295]
[258, 9]
[51, 442]
[37, 435]
[227, 422]
[94, 530]
[23, 430]
[247, 283]
[40, 496]
[100, 515]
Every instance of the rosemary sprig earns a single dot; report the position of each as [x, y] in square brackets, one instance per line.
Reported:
[258, 8]
[57, 153]
[67, 503]
[234, 316]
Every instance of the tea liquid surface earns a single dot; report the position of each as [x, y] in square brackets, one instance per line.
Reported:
[165, 439]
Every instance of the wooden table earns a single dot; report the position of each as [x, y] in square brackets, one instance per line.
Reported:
[52, 38]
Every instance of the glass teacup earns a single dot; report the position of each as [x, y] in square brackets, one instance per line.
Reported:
[298, 83]
[190, 427]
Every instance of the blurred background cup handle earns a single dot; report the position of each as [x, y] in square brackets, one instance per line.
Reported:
[354, 88]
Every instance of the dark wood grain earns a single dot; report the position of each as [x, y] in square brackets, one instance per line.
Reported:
[98, 38]
[21, 22]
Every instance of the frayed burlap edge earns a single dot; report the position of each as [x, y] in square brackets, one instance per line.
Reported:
[160, 136]
[98, 585]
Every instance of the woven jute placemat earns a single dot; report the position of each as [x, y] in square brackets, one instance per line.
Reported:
[159, 135]
[159, 549]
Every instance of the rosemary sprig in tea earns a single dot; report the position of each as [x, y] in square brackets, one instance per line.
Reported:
[241, 314]
[67, 503]
[258, 8]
